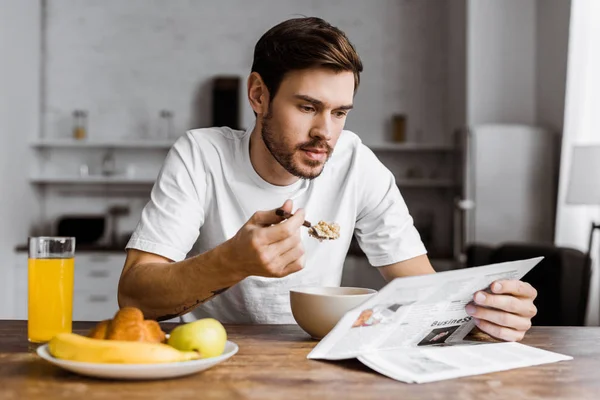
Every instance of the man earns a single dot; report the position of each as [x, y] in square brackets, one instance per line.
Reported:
[219, 189]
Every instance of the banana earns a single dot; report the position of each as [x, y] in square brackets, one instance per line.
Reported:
[73, 347]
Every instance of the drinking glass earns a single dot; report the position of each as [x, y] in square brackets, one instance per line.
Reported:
[51, 267]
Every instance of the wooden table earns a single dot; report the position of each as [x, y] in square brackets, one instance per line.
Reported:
[272, 364]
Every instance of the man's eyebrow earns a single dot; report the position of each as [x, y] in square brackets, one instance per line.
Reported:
[319, 103]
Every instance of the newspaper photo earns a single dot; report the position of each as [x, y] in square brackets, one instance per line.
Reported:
[416, 329]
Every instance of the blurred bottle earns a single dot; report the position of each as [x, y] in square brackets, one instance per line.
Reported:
[79, 124]
[84, 170]
[165, 127]
[399, 122]
[108, 164]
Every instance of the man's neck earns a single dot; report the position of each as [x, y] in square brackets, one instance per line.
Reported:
[265, 165]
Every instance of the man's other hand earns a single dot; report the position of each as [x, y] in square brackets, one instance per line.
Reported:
[505, 313]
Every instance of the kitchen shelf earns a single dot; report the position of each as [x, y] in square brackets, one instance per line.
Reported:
[425, 183]
[410, 147]
[121, 144]
[93, 179]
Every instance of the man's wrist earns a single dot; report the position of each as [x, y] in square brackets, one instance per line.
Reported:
[224, 258]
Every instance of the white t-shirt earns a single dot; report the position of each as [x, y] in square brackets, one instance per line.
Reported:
[207, 189]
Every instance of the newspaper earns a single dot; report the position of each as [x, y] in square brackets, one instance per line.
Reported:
[416, 329]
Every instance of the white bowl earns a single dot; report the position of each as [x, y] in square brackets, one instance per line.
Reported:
[318, 309]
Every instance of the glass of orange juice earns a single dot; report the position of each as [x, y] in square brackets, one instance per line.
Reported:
[51, 267]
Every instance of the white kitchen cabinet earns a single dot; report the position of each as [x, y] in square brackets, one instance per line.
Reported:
[96, 284]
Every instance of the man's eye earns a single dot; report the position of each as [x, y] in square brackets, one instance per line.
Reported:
[307, 108]
[341, 114]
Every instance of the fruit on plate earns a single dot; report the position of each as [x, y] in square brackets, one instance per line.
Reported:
[129, 324]
[74, 347]
[206, 336]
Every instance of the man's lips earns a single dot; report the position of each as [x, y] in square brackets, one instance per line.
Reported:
[316, 150]
[316, 154]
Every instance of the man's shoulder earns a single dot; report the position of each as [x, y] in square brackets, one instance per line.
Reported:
[348, 142]
[354, 157]
[215, 136]
[208, 142]
[350, 146]
[205, 147]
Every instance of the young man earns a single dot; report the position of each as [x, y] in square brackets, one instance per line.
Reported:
[219, 189]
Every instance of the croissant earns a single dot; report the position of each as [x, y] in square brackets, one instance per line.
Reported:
[128, 324]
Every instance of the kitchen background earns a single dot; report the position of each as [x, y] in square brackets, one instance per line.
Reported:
[443, 65]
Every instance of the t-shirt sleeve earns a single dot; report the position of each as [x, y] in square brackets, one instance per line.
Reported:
[384, 227]
[171, 220]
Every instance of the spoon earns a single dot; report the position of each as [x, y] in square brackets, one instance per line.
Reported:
[311, 229]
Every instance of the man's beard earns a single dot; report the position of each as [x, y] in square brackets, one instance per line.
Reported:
[286, 158]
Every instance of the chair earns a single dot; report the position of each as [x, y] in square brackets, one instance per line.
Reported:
[562, 278]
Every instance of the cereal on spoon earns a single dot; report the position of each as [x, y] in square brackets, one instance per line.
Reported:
[325, 231]
[322, 231]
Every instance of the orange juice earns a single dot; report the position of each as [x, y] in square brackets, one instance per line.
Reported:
[50, 297]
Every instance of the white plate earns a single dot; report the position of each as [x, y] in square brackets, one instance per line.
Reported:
[139, 371]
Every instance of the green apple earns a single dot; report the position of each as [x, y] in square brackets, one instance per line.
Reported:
[206, 336]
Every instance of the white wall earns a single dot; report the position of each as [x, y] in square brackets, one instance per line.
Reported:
[516, 61]
[501, 62]
[124, 61]
[19, 119]
[552, 47]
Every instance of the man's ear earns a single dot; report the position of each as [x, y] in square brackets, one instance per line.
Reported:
[258, 94]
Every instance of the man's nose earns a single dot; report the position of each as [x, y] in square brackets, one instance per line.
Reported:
[322, 128]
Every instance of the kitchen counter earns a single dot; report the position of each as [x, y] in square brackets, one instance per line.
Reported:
[271, 364]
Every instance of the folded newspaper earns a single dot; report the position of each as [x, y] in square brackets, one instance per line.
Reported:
[416, 329]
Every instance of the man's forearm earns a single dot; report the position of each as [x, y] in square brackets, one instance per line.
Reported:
[167, 290]
[419, 265]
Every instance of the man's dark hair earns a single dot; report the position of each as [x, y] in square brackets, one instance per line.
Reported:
[302, 43]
